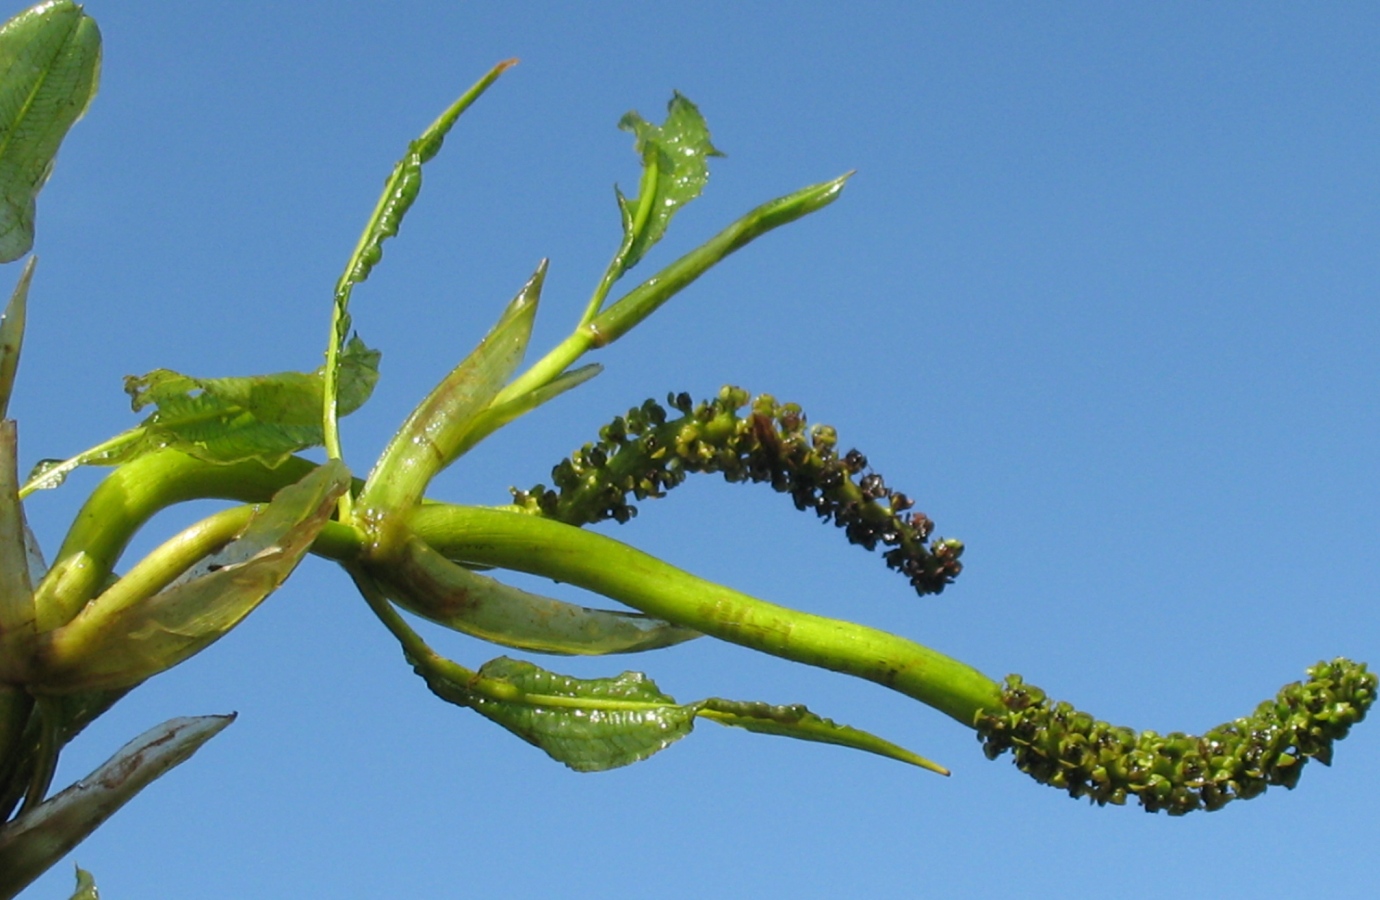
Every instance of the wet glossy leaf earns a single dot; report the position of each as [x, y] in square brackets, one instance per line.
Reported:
[603, 723]
[222, 420]
[500, 414]
[588, 724]
[435, 431]
[115, 643]
[50, 60]
[675, 160]
[225, 420]
[35, 841]
[428, 584]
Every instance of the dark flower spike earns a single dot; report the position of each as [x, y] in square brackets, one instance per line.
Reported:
[1064, 748]
[646, 453]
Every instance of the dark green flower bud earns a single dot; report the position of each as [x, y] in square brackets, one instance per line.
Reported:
[1177, 772]
[646, 453]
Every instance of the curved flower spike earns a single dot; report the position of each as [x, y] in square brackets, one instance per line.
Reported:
[645, 453]
[1064, 748]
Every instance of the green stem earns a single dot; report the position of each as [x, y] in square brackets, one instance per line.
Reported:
[125, 501]
[399, 192]
[529, 544]
[175, 556]
[646, 194]
[135, 491]
[646, 298]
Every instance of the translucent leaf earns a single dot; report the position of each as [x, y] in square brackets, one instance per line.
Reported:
[31, 844]
[500, 414]
[675, 160]
[118, 640]
[435, 432]
[795, 721]
[86, 887]
[50, 59]
[227, 420]
[588, 724]
[222, 420]
[428, 584]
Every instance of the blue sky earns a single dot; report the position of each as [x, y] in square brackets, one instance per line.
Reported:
[1101, 297]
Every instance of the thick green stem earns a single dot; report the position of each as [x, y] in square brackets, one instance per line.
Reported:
[127, 499]
[136, 491]
[609, 567]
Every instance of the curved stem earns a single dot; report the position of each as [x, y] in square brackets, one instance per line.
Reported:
[125, 501]
[134, 492]
[601, 564]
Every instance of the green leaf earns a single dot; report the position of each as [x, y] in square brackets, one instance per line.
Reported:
[426, 583]
[435, 432]
[12, 334]
[497, 414]
[602, 723]
[50, 60]
[400, 191]
[796, 721]
[589, 725]
[675, 161]
[223, 420]
[32, 843]
[227, 420]
[86, 886]
[121, 638]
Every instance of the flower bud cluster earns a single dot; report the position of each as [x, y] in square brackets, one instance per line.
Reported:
[1062, 747]
[647, 452]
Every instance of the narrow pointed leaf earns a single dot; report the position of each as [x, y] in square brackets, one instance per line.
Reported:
[795, 721]
[12, 334]
[115, 642]
[51, 473]
[400, 191]
[405, 182]
[31, 844]
[428, 584]
[588, 724]
[500, 414]
[50, 59]
[435, 431]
